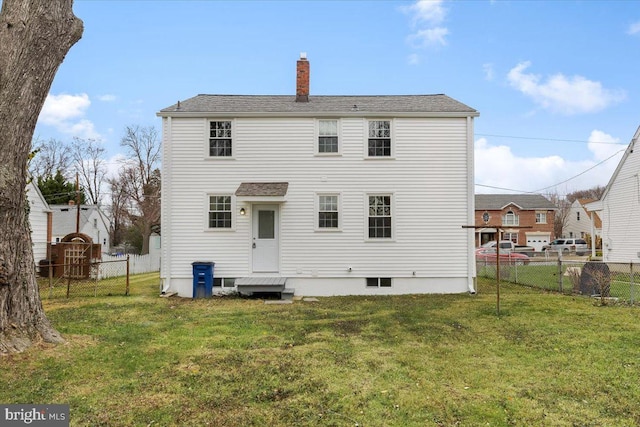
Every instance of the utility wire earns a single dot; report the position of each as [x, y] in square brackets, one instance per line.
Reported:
[549, 139]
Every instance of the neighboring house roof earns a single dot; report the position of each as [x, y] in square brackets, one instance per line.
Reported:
[65, 217]
[487, 202]
[597, 222]
[343, 105]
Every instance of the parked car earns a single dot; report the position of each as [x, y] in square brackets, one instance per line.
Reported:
[488, 256]
[508, 246]
[579, 246]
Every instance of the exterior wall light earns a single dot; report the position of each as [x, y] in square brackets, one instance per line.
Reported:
[243, 212]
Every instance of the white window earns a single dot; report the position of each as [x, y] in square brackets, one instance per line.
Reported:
[379, 138]
[378, 282]
[541, 217]
[328, 139]
[510, 219]
[220, 212]
[380, 216]
[328, 210]
[220, 141]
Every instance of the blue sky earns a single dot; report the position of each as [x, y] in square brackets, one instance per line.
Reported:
[556, 82]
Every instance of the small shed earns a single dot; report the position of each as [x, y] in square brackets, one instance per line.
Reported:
[73, 255]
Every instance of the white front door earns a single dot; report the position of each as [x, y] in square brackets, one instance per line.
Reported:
[266, 238]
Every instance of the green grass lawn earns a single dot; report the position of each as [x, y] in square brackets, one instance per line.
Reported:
[417, 360]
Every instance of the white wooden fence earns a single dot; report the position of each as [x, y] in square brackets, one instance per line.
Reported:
[138, 264]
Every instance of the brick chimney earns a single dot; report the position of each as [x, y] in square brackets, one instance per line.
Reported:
[302, 78]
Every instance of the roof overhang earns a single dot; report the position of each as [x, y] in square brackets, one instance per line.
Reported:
[271, 192]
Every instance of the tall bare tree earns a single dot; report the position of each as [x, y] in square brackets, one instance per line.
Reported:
[561, 216]
[51, 156]
[140, 179]
[592, 193]
[35, 36]
[91, 166]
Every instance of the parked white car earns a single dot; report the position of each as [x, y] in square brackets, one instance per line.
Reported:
[577, 246]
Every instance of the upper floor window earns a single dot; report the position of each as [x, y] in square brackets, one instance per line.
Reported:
[510, 219]
[220, 211]
[379, 138]
[328, 137]
[577, 216]
[220, 138]
[380, 216]
[541, 217]
[328, 211]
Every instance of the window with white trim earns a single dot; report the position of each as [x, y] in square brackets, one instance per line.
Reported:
[328, 211]
[380, 216]
[541, 217]
[328, 141]
[220, 212]
[220, 141]
[510, 218]
[379, 138]
[378, 282]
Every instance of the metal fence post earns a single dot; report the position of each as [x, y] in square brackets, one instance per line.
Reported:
[560, 274]
[127, 290]
[631, 281]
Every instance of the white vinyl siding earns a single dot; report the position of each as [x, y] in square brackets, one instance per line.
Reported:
[428, 179]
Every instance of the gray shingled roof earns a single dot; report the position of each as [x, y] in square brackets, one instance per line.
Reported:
[274, 189]
[319, 104]
[525, 201]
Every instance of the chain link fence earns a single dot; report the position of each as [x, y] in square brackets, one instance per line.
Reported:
[569, 275]
[99, 278]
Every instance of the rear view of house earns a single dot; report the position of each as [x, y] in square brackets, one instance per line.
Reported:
[327, 195]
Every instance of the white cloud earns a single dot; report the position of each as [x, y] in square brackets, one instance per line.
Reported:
[429, 37]
[427, 17]
[561, 94]
[413, 59]
[429, 11]
[526, 174]
[634, 28]
[59, 108]
[603, 145]
[488, 71]
[67, 113]
[107, 98]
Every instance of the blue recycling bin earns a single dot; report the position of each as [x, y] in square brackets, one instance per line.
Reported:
[202, 279]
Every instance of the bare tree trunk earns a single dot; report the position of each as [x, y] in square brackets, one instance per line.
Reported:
[35, 36]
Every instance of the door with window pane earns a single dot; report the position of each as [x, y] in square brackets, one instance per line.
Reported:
[266, 238]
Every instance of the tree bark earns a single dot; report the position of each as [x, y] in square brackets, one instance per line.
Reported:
[35, 36]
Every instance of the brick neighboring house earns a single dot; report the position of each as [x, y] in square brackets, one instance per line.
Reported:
[509, 210]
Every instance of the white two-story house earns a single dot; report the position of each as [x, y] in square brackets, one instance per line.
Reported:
[334, 195]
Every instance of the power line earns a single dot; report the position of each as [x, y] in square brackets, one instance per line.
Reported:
[582, 173]
[554, 185]
[549, 139]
